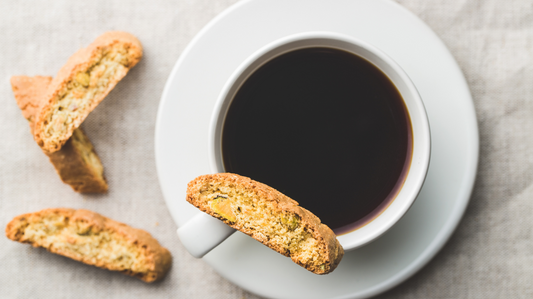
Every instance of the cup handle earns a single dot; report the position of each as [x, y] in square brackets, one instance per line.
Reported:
[203, 233]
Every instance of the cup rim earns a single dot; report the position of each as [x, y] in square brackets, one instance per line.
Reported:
[365, 234]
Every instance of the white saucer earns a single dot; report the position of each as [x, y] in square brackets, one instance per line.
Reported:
[203, 68]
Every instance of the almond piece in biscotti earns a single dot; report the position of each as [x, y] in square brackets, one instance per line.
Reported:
[93, 239]
[268, 216]
[76, 162]
[81, 84]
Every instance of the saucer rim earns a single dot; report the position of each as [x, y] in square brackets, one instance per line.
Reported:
[464, 193]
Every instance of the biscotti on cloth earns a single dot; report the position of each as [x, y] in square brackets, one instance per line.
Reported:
[81, 84]
[29, 92]
[268, 216]
[76, 162]
[93, 239]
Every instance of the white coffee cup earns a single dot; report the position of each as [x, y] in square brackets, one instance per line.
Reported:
[203, 232]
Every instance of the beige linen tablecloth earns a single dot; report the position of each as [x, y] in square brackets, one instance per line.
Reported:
[489, 256]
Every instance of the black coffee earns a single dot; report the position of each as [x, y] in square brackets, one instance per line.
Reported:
[325, 127]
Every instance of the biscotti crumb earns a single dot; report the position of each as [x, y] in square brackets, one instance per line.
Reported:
[76, 163]
[81, 84]
[93, 239]
[268, 216]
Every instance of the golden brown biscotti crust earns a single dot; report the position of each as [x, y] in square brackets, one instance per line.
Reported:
[28, 93]
[82, 61]
[76, 163]
[279, 203]
[68, 228]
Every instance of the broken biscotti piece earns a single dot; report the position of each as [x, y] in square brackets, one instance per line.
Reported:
[78, 165]
[93, 239]
[76, 162]
[29, 92]
[81, 84]
[269, 217]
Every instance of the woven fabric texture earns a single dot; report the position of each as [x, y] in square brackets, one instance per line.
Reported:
[489, 256]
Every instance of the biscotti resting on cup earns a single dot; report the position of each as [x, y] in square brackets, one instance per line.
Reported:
[81, 84]
[76, 162]
[93, 239]
[268, 216]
